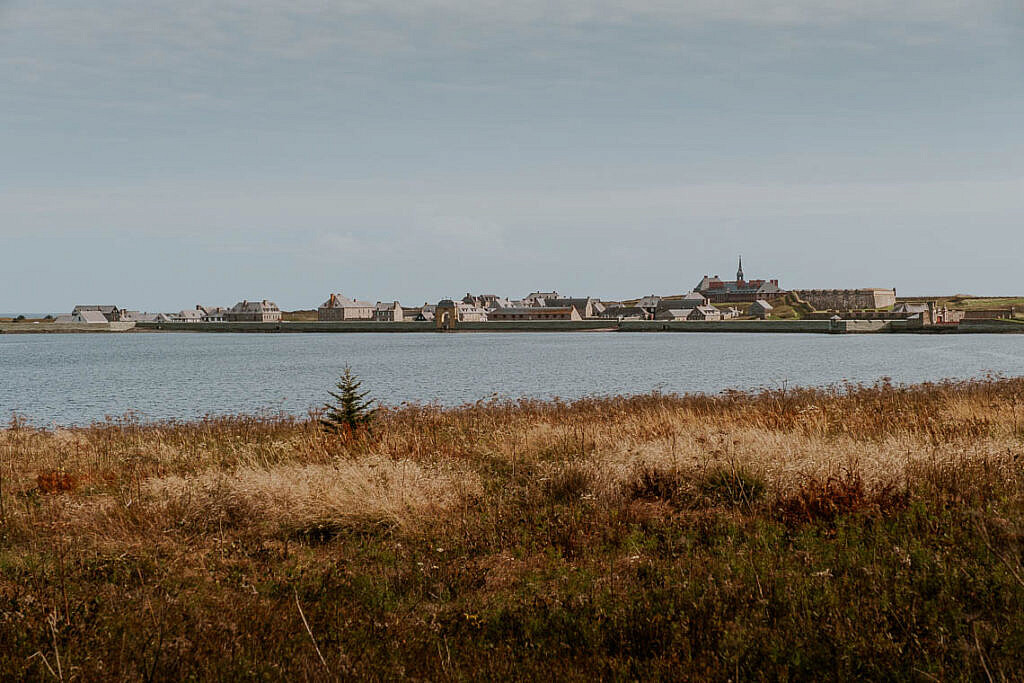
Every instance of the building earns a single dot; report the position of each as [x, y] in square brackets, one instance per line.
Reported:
[338, 307]
[111, 314]
[187, 316]
[253, 312]
[760, 308]
[137, 317]
[673, 314]
[740, 289]
[848, 299]
[620, 312]
[730, 312]
[448, 313]
[691, 300]
[389, 313]
[649, 305]
[488, 302]
[532, 299]
[587, 307]
[87, 315]
[212, 314]
[471, 314]
[425, 313]
[535, 313]
[704, 313]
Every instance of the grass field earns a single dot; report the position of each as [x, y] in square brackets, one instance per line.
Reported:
[299, 316]
[973, 303]
[800, 534]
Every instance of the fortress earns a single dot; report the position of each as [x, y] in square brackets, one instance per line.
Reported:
[847, 299]
[741, 289]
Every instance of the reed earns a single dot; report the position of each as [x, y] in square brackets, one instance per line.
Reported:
[858, 531]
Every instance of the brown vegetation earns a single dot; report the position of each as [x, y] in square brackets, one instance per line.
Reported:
[867, 532]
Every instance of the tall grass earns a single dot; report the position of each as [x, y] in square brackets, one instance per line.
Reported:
[865, 531]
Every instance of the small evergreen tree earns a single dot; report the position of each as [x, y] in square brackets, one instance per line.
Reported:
[351, 410]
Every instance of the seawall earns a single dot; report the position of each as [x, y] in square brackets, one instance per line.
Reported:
[969, 326]
[804, 326]
[63, 328]
[372, 326]
[358, 326]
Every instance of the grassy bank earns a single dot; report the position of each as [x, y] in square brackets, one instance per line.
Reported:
[800, 534]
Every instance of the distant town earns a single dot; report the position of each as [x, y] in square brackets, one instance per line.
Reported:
[712, 299]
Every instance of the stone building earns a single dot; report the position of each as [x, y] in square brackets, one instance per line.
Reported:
[389, 313]
[847, 299]
[212, 314]
[620, 312]
[338, 307]
[760, 308]
[86, 315]
[533, 298]
[488, 302]
[704, 313]
[471, 314]
[187, 316]
[111, 314]
[718, 290]
[535, 313]
[688, 302]
[253, 312]
[673, 314]
[448, 313]
[587, 306]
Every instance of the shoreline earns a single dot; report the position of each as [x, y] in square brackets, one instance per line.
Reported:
[355, 327]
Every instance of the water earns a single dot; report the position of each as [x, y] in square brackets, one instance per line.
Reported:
[76, 379]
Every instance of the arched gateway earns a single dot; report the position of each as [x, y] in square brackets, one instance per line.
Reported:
[446, 315]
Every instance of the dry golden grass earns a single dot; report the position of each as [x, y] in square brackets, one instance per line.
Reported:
[421, 462]
[489, 512]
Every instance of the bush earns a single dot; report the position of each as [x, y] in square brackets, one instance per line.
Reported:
[351, 411]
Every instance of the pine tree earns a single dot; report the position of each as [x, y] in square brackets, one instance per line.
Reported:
[350, 411]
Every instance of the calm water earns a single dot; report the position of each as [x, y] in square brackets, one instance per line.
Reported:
[64, 379]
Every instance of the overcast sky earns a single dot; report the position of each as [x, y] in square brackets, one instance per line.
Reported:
[157, 155]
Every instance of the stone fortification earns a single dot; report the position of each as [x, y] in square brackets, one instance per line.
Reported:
[847, 299]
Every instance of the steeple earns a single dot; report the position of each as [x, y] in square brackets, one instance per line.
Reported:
[739, 273]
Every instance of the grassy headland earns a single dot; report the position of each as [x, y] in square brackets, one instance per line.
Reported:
[803, 534]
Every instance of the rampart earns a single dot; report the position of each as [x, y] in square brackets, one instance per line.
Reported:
[846, 299]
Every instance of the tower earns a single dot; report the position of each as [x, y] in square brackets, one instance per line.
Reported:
[739, 272]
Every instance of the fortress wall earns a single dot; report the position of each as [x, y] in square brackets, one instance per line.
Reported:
[843, 299]
[805, 326]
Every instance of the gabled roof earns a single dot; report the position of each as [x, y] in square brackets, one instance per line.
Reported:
[91, 316]
[649, 301]
[254, 306]
[102, 309]
[339, 301]
[674, 313]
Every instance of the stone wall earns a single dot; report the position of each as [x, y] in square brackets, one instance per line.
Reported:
[59, 328]
[845, 299]
[804, 326]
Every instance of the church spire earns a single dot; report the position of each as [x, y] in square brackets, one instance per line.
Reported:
[739, 273]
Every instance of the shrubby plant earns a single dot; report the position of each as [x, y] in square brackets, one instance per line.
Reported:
[351, 410]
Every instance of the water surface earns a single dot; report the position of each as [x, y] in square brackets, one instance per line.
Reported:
[66, 379]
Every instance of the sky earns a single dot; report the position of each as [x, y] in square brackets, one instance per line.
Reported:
[159, 155]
